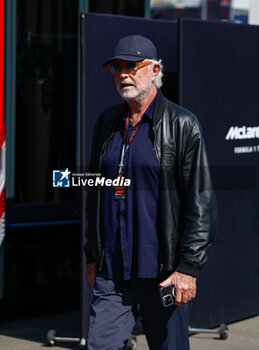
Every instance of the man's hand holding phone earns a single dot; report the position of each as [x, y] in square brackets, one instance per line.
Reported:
[167, 294]
[185, 287]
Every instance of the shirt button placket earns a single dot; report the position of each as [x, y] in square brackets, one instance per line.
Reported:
[123, 240]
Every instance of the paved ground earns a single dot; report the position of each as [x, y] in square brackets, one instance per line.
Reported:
[31, 334]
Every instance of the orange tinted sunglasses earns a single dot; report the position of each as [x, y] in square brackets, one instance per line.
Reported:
[132, 67]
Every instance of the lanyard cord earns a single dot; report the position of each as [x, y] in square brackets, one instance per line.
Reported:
[124, 146]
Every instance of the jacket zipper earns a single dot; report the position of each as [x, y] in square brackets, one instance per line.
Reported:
[156, 152]
[161, 268]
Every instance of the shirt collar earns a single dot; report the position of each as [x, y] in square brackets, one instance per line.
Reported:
[149, 111]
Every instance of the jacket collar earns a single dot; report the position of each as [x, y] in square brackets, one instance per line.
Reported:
[159, 108]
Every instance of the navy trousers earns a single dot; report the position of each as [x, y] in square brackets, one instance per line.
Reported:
[113, 312]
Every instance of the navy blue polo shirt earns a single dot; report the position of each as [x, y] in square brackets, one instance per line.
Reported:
[129, 228]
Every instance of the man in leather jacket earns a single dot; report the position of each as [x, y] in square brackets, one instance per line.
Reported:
[157, 231]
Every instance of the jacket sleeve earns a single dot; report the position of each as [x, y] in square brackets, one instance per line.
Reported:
[199, 209]
[91, 201]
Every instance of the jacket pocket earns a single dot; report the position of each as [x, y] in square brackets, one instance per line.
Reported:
[168, 154]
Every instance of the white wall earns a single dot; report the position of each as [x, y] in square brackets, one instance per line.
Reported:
[240, 4]
[254, 12]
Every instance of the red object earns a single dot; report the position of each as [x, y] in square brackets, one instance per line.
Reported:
[2, 125]
[224, 2]
[120, 189]
[2, 135]
[1, 63]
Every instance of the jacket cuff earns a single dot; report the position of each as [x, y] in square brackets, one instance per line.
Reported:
[188, 269]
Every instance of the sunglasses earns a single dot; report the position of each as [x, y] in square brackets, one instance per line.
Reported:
[132, 67]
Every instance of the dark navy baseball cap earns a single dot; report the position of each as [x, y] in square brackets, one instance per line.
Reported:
[133, 48]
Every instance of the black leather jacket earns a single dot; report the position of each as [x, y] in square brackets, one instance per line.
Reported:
[187, 205]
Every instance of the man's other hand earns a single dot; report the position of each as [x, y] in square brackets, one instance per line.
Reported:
[91, 269]
[185, 286]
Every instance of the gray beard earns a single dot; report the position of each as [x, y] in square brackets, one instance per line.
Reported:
[137, 96]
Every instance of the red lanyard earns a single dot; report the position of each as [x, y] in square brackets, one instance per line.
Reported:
[126, 128]
[124, 146]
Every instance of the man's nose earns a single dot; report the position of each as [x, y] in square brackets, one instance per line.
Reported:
[124, 71]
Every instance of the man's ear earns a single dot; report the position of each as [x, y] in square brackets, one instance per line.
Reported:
[156, 70]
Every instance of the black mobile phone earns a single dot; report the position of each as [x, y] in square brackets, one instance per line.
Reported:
[167, 294]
